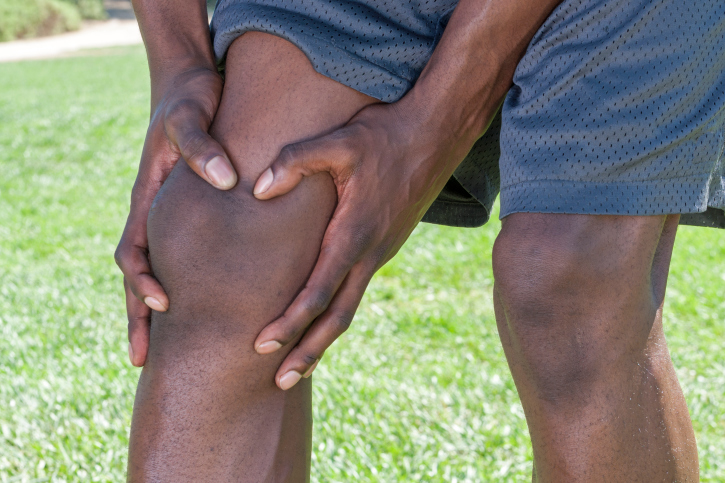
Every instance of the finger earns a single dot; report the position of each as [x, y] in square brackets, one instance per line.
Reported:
[296, 161]
[134, 263]
[311, 369]
[132, 252]
[290, 378]
[328, 274]
[303, 359]
[186, 126]
[139, 317]
[337, 256]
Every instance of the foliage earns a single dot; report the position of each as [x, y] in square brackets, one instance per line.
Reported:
[32, 18]
[89, 9]
[417, 390]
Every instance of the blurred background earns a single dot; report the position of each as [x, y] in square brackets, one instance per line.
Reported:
[417, 390]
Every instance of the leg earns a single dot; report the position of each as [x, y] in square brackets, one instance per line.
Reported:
[578, 303]
[207, 408]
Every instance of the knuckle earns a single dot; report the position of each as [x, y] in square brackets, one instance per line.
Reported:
[345, 142]
[310, 358]
[347, 151]
[289, 155]
[193, 144]
[343, 320]
[118, 256]
[289, 327]
[287, 333]
[317, 302]
[121, 255]
[130, 259]
[348, 141]
[179, 111]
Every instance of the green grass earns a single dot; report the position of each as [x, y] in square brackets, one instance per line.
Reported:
[417, 390]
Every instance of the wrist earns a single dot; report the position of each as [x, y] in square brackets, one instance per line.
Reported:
[461, 89]
[174, 71]
[454, 112]
[177, 39]
[465, 109]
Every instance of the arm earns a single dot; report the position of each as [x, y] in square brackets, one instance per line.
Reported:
[185, 93]
[389, 163]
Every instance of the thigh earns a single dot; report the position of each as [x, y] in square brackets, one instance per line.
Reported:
[206, 403]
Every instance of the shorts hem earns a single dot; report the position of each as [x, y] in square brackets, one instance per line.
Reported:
[633, 199]
[325, 57]
[450, 213]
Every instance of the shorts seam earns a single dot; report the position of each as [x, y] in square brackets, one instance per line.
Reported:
[690, 179]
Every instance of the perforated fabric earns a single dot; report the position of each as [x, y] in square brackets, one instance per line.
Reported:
[376, 47]
[617, 107]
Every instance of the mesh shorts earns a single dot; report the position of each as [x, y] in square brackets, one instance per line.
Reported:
[617, 106]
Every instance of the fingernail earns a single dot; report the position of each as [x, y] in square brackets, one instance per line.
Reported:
[154, 304]
[268, 347]
[130, 352]
[264, 182]
[289, 380]
[311, 369]
[220, 173]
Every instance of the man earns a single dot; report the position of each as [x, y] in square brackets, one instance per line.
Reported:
[603, 118]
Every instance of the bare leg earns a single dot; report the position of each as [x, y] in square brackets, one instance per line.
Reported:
[579, 308]
[207, 408]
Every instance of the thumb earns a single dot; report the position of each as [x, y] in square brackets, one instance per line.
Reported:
[296, 161]
[206, 157]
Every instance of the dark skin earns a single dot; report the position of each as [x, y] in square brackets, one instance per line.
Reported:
[578, 301]
[207, 408]
[426, 135]
[387, 163]
[185, 93]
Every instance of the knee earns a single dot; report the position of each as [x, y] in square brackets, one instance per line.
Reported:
[209, 248]
[539, 279]
[199, 243]
[230, 264]
[573, 297]
[550, 263]
[535, 268]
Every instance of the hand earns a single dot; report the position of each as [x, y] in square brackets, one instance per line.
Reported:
[388, 165]
[178, 129]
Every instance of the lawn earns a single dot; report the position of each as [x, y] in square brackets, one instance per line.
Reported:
[417, 390]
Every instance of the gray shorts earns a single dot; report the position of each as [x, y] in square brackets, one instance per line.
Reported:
[617, 106]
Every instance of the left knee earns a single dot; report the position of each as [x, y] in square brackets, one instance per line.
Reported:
[574, 295]
[550, 264]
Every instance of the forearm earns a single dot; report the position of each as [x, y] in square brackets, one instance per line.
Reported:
[176, 36]
[471, 69]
